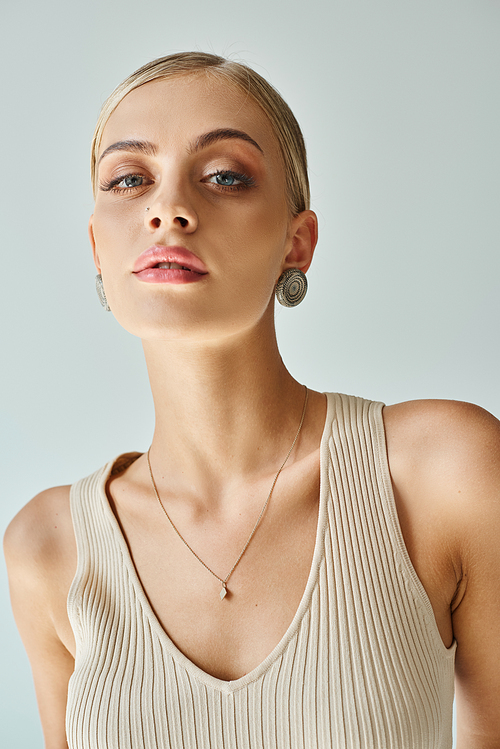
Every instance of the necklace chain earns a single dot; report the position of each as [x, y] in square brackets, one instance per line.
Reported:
[223, 581]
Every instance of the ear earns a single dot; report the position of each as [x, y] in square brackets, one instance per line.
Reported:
[303, 233]
[92, 242]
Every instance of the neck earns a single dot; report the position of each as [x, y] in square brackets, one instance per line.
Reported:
[223, 412]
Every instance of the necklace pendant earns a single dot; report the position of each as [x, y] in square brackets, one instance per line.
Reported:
[223, 592]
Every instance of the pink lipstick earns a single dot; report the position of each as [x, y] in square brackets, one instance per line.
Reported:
[161, 264]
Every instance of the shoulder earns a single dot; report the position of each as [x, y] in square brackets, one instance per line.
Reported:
[444, 434]
[40, 532]
[38, 545]
[441, 413]
[444, 456]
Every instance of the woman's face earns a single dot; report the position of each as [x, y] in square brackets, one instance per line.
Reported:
[190, 172]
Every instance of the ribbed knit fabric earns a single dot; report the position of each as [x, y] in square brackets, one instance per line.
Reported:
[362, 665]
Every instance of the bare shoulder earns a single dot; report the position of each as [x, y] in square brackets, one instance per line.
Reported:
[41, 556]
[446, 454]
[40, 531]
[455, 441]
[427, 414]
[40, 552]
[445, 459]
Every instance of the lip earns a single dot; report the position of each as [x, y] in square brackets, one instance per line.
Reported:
[174, 254]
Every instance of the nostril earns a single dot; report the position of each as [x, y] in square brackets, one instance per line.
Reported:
[183, 221]
[156, 222]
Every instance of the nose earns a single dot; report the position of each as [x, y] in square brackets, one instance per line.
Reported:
[169, 210]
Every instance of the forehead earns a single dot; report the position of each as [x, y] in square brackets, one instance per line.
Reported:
[180, 109]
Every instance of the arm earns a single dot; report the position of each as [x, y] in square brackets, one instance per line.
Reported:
[446, 461]
[476, 612]
[40, 561]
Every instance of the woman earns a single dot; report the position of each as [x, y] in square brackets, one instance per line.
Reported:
[283, 568]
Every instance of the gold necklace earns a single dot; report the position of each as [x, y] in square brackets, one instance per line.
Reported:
[223, 581]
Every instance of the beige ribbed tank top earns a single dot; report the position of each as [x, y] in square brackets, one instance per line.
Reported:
[362, 665]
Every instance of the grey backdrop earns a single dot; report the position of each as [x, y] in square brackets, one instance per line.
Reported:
[400, 106]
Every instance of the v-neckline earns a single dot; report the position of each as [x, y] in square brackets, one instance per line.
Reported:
[182, 660]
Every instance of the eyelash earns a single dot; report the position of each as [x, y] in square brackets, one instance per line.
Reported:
[110, 186]
[244, 179]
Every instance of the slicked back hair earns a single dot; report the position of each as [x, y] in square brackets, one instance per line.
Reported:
[283, 122]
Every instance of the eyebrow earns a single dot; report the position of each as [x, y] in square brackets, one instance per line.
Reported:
[203, 141]
[139, 146]
[207, 139]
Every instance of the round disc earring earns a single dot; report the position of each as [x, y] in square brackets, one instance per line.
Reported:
[101, 293]
[291, 287]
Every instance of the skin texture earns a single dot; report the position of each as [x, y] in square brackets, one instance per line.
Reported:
[227, 411]
[241, 235]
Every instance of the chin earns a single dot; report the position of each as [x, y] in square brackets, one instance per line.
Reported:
[183, 320]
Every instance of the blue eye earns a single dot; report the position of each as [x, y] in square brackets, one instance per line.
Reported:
[230, 180]
[225, 178]
[131, 180]
[126, 183]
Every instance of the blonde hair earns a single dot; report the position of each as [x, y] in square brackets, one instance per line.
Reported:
[283, 122]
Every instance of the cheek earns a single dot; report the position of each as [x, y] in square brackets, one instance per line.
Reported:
[263, 224]
[254, 262]
[113, 234]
